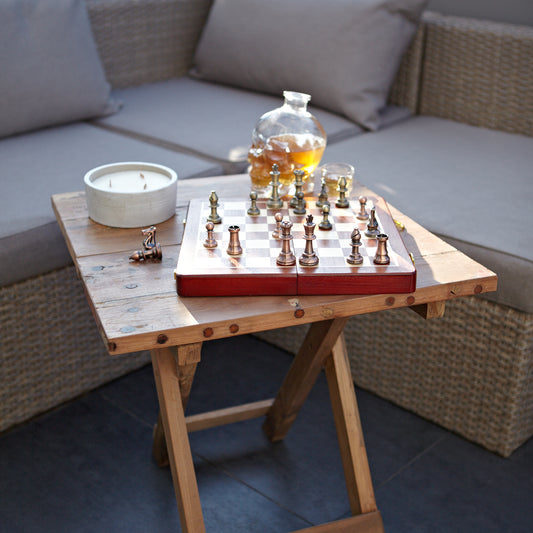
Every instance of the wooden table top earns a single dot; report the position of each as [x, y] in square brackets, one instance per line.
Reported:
[137, 308]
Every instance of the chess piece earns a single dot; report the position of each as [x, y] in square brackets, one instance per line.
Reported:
[300, 206]
[362, 215]
[234, 246]
[382, 256]
[355, 258]
[278, 217]
[214, 217]
[274, 202]
[253, 210]
[210, 242]
[309, 257]
[151, 248]
[286, 257]
[298, 186]
[342, 202]
[372, 229]
[325, 224]
[323, 195]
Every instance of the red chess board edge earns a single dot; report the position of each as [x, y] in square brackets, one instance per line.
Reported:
[289, 281]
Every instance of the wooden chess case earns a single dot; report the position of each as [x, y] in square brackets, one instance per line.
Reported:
[212, 272]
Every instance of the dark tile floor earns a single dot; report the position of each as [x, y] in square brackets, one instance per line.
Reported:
[87, 467]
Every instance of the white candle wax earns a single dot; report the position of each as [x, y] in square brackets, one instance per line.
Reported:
[131, 181]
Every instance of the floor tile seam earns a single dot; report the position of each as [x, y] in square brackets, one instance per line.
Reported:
[251, 487]
[127, 411]
[412, 461]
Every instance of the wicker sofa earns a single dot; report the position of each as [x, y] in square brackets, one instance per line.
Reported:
[471, 371]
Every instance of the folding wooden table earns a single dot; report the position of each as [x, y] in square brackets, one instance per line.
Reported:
[136, 308]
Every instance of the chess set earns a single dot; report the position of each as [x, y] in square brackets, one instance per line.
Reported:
[240, 247]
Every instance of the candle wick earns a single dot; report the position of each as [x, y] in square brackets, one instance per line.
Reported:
[144, 186]
[142, 175]
[110, 183]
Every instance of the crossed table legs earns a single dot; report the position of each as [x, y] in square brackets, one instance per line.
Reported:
[323, 347]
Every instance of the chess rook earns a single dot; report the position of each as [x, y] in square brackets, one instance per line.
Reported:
[382, 256]
[234, 246]
[286, 256]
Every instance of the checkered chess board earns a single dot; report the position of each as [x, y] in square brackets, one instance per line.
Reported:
[205, 271]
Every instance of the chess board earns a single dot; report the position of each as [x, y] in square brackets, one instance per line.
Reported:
[202, 271]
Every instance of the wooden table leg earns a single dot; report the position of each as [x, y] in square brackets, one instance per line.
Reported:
[349, 431]
[301, 376]
[172, 416]
[188, 359]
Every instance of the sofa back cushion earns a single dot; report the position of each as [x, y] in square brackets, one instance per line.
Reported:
[344, 53]
[51, 72]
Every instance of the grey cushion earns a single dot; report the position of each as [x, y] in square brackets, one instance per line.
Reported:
[472, 186]
[37, 165]
[345, 54]
[50, 69]
[212, 120]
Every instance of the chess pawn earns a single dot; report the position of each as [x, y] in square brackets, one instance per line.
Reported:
[286, 257]
[210, 242]
[355, 258]
[362, 215]
[234, 246]
[278, 217]
[325, 224]
[274, 202]
[214, 217]
[300, 205]
[253, 210]
[382, 257]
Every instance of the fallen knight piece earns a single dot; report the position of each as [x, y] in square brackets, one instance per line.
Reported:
[151, 248]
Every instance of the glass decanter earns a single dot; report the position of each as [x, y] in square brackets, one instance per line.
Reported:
[289, 136]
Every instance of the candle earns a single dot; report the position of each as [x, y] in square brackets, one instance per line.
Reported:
[131, 181]
[131, 194]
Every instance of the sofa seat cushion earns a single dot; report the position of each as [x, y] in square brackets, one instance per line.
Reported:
[212, 120]
[472, 186]
[37, 165]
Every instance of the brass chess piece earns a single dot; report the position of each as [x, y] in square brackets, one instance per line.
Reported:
[298, 186]
[325, 224]
[276, 233]
[234, 246]
[299, 209]
[253, 210]
[210, 242]
[274, 202]
[372, 229]
[286, 256]
[323, 195]
[355, 258]
[151, 248]
[382, 256]
[309, 257]
[214, 217]
[362, 215]
[342, 187]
